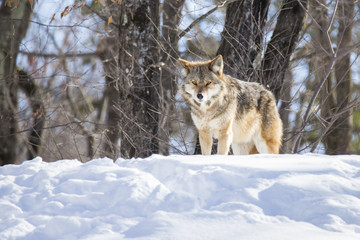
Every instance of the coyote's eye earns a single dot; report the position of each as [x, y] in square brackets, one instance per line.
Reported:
[194, 82]
[208, 83]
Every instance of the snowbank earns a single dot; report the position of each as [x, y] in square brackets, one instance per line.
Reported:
[183, 197]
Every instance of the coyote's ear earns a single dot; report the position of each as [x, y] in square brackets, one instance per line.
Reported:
[185, 64]
[217, 65]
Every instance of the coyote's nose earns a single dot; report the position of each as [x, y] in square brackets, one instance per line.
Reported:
[199, 96]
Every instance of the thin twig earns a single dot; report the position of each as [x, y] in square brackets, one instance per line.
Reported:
[320, 85]
[350, 106]
[333, 53]
[305, 118]
[196, 21]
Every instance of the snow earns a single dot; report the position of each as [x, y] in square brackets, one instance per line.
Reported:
[183, 197]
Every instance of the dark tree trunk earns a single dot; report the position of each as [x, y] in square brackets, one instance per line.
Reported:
[109, 55]
[322, 60]
[170, 29]
[112, 119]
[13, 27]
[242, 36]
[33, 93]
[338, 140]
[282, 44]
[138, 82]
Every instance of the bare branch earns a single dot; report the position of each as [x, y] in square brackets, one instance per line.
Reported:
[335, 117]
[61, 55]
[306, 116]
[196, 21]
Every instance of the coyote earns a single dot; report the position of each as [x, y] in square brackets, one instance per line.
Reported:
[243, 114]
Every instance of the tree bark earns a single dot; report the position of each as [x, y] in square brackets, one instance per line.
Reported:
[109, 51]
[133, 78]
[322, 60]
[282, 44]
[285, 111]
[241, 39]
[338, 140]
[13, 27]
[32, 92]
[168, 80]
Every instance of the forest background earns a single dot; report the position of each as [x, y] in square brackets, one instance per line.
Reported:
[87, 79]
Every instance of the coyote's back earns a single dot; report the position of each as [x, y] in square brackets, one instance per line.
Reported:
[235, 112]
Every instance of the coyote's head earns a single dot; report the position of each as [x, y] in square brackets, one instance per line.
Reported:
[203, 81]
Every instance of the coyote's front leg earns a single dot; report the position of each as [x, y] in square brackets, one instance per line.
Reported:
[224, 142]
[225, 139]
[205, 142]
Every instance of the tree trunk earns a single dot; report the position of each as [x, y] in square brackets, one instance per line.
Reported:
[241, 39]
[13, 27]
[322, 59]
[282, 44]
[32, 92]
[168, 80]
[109, 50]
[139, 58]
[338, 140]
[285, 111]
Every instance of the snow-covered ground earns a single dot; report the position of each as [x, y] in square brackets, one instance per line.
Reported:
[183, 197]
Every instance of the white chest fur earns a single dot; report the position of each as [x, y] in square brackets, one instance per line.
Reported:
[215, 120]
